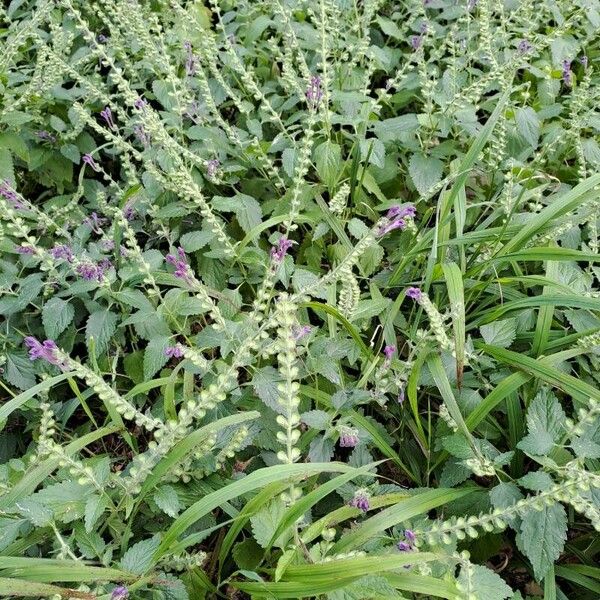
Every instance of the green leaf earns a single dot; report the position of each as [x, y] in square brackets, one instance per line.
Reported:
[154, 355]
[57, 314]
[194, 240]
[328, 160]
[167, 500]
[265, 521]
[101, 325]
[528, 124]
[425, 172]
[480, 583]
[500, 333]
[542, 537]
[138, 559]
[545, 422]
[247, 554]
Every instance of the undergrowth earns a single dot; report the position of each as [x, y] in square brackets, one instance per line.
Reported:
[300, 299]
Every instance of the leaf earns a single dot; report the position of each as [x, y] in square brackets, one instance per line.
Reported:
[321, 449]
[316, 419]
[265, 521]
[480, 583]
[500, 333]
[167, 500]
[528, 124]
[19, 371]
[542, 537]
[101, 325]
[545, 421]
[57, 314]
[154, 355]
[247, 554]
[138, 559]
[264, 383]
[194, 240]
[425, 172]
[94, 507]
[328, 160]
[392, 129]
[246, 209]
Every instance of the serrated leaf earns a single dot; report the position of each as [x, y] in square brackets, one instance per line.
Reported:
[94, 508]
[480, 583]
[138, 559]
[247, 554]
[19, 371]
[167, 500]
[264, 383]
[101, 325]
[57, 314]
[154, 355]
[194, 240]
[425, 172]
[542, 537]
[316, 419]
[328, 160]
[320, 449]
[528, 124]
[545, 422]
[265, 521]
[500, 333]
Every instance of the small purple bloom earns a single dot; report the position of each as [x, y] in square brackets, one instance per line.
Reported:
[91, 271]
[314, 93]
[94, 222]
[395, 224]
[107, 245]
[129, 209]
[348, 437]
[389, 352]
[278, 252]
[401, 212]
[524, 47]
[102, 39]
[409, 544]
[584, 61]
[415, 293]
[106, 114]
[567, 74]
[409, 534]
[174, 351]
[141, 135]
[62, 251]
[300, 332]
[401, 395]
[415, 41]
[190, 60]
[212, 167]
[46, 136]
[119, 593]
[182, 268]
[25, 250]
[403, 547]
[7, 192]
[140, 103]
[45, 350]
[360, 501]
[88, 159]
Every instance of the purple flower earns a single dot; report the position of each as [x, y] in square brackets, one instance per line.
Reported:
[398, 211]
[129, 209]
[107, 245]
[46, 350]
[403, 547]
[140, 103]
[102, 39]
[45, 136]
[567, 74]
[409, 544]
[584, 61]
[389, 353]
[94, 222]
[409, 534]
[182, 268]
[360, 501]
[174, 351]
[348, 437]
[212, 166]
[300, 332]
[141, 135]
[88, 159]
[7, 192]
[106, 114]
[190, 60]
[278, 252]
[62, 251]
[314, 92]
[472, 4]
[401, 395]
[395, 224]
[524, 47]
[91, 271]
[119, 593]
[415, 293]
[415, 41]
[25, 250]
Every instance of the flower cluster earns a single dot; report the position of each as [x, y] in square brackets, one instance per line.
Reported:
[408, 543]
[91, 271]
[360, 500]
[46, 350]
[348, 437]
[396, 218]
[314, 93]
[182, 268]
[7, 192]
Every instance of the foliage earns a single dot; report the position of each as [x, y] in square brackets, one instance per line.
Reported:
[299, 299]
